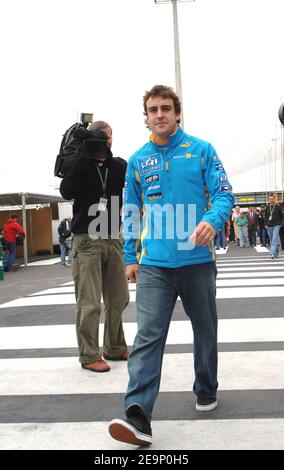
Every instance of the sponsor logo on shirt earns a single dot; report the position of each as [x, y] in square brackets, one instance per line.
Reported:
[225, 187]
[151, 179]
[219, 166]
[151, 163]
[154, 187]
[223, 178]
[153, 196]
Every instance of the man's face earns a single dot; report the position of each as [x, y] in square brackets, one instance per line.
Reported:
[271, 200]
[161, 116]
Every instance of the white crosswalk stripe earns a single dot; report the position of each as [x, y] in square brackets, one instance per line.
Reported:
[49, 402]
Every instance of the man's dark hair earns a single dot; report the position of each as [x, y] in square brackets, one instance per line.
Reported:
[14, 216]
[164, 92]
[99, 125]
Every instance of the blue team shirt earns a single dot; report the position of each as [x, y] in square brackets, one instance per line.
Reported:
[168, 191]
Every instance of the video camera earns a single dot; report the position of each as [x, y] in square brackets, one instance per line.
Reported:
[94, 140]
[78, 143]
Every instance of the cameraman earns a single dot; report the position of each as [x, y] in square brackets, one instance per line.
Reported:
[95, 183]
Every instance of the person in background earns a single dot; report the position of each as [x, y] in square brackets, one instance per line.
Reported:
[220, 238]
[242, 222]
[232, 236]
[235, 215]
[281, 230]
[65, 240]
[3, 242]
[173, 172]
[252, 217]
[11, 231]
[273, 220]
[261, 225]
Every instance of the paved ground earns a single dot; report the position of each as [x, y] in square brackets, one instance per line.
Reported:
[49, 402]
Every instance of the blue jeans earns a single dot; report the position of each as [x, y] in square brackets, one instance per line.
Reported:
[65, 248]
[11, 256]
[221, 238]
[273, 233]
[156, 295]
[263, 236]
[243, 233]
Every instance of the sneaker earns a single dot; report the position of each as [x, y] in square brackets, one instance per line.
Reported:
[134, 430]
[206, 404]
[122, 357]
[97, 366]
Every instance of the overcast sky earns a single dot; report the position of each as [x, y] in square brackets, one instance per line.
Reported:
[63, 57]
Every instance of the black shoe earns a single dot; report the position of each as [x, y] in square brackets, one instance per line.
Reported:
[134, 430]
[206, 404]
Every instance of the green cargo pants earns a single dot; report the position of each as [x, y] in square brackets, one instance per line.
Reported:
[98, 270]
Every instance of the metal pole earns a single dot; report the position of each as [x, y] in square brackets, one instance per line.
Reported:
[265, 172]
[177, 59]
[25, 228]
[275, 157]
[269, 171]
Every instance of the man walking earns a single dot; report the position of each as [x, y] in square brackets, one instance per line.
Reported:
[174, 180]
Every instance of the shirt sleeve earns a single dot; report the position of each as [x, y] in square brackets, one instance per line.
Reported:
[221, 199]
[132, 211]
[20, 230]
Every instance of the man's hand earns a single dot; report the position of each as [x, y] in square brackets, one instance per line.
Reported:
[131, 272]
[203, 234]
